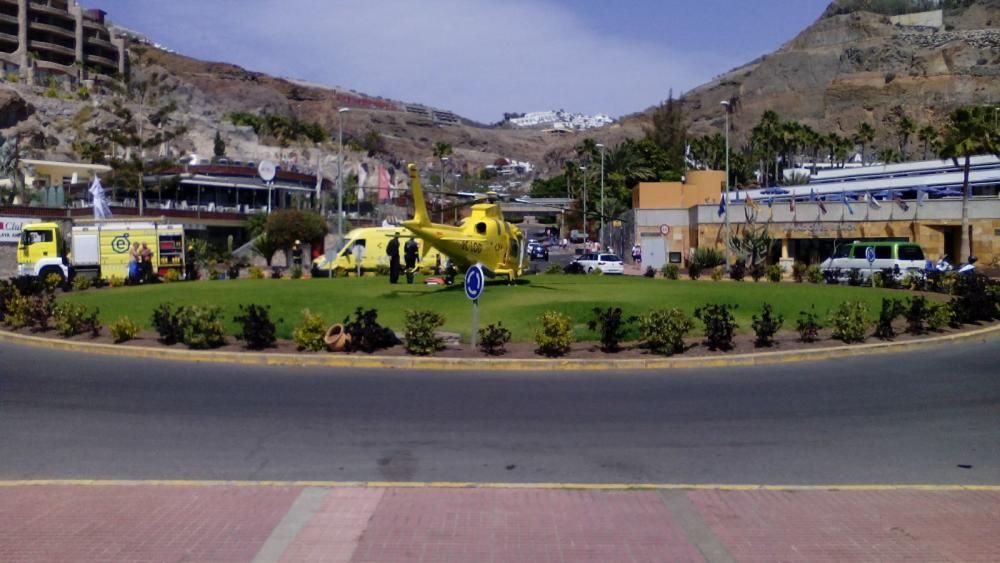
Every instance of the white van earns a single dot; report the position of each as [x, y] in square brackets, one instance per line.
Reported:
[901, 257]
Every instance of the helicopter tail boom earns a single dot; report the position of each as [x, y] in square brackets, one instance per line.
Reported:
[420, 216]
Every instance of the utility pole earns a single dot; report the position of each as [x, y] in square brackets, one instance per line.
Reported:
[600, 146]
[340, 174]
[729, 253]
[585, 234]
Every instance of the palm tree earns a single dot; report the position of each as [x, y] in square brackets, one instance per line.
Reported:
[904, 129]
[832, 141]
[570, 170]
[888, 155]
[765, 137]
[864, 137]
[442, 149]
[928, 136]
[968, 133]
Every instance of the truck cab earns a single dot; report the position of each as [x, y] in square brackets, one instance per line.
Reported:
[41, 251]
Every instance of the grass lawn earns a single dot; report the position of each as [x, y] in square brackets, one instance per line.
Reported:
[518, 307]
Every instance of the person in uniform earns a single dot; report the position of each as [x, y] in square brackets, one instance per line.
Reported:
[410, 252]
[297, 255]
[392, 250]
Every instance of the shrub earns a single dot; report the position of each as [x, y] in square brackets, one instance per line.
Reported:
[720, 325]
[52, 282]
[555, 335]
[717, 273]
[814, 274]
[854, 277]
[766, 327]
[115, 281]
[493, 339]
[172, 275]
[671, 271]
[808, 326]
[123, 330]
[774, 273]
[366, 334]
[71, 319]
[757, 272]
[917, 312]
[27, 285]
[611, 325]
[296, 272]
[850, 322]
[309, 335]
[914, 282]
[213, 275]
[82, 283]
[650, 272]
[886, 278]
[799, 271]
[256, 273]
[17, 312]
[202, 327]
[7, 293]
[708, 258]
[553, 269]
[421, 332]
[891, 309]
[168, 323]
[975, 299]
[663, 331]
[597, 272]
[383, 269]
[738, 271]
[832, 276]
[694, 270]
[256, 328]
[940, 316]
[40, 310]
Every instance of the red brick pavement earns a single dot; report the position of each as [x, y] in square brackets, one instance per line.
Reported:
[498, 525]
[232, 523]
[854, 525]
[124, 523]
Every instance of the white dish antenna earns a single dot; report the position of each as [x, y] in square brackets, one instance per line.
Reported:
[267, 170]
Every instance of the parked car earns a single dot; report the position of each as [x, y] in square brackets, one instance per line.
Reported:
[587, 263]
[901, 257]
[538, 251]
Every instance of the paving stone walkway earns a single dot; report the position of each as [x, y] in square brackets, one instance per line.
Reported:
[265, 523]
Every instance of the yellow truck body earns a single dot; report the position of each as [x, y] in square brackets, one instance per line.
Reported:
[375, 240]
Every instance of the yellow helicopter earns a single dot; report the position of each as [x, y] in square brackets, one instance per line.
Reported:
[483, 238]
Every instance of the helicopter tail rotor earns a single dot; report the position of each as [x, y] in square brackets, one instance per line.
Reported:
[420, 216]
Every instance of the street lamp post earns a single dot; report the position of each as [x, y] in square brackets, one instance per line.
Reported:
[600, 146]
[444, 162]
[585, 234]
[729, 256]
[340, 174]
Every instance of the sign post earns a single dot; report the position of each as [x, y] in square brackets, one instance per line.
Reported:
[475, 283]
[870, 255]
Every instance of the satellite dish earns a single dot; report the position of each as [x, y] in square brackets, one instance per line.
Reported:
[267, 170]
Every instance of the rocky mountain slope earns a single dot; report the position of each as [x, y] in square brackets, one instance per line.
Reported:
[860, 66]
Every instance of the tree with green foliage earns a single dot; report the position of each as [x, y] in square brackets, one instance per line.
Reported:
[218, 146]
[928, 135]
[443, 150]
[286, 226]
[12, 169]
[669, 132]
[968, 132]
[889, 155]
[864, 136]
[904, 129]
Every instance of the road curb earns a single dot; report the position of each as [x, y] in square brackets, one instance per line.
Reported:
[863, 487]
[490, 364]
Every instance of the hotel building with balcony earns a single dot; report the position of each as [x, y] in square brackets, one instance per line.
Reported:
[58, 39]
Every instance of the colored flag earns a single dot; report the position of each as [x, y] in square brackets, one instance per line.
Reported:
[383, 184]
[751, 203]
[791, 204]
[921, 196]
[898, 198]
[847, 202]
[362, 180]
[722, 205]
[818, 201]
[872, 202]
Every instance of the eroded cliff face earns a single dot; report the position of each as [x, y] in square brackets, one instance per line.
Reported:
[857, 67]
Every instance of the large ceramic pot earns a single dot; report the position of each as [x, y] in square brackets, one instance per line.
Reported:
[336, 339]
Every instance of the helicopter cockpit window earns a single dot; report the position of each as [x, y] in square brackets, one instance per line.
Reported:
[481, 228]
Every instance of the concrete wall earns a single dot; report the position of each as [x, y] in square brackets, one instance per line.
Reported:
[933, 18]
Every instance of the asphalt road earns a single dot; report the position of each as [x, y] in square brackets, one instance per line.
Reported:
[914, 418]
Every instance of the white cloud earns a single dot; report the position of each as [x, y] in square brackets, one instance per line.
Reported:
[476, 57]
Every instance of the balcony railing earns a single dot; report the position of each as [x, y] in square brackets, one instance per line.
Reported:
[101, 60]
[53, 29]
[9, 38]
[9, 19]
[46, 9]
[101, 42]
[52, 47]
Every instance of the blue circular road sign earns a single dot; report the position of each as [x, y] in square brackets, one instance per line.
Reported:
[475, 282]
[870, 254]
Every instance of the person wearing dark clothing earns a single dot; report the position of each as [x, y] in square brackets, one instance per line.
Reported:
[297, 255]
[410, 251]
[392, 250]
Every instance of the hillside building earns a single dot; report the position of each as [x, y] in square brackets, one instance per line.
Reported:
[57, 40]
[917, 201]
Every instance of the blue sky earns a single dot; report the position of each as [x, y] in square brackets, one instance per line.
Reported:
[480, 58]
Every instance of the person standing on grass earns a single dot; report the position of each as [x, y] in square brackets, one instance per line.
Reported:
[146, 264]
[392, 250]
[410, 251]
[297, 255]
[133, 263]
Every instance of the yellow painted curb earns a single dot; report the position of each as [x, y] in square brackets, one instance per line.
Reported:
[489, 485]
[489, 364]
